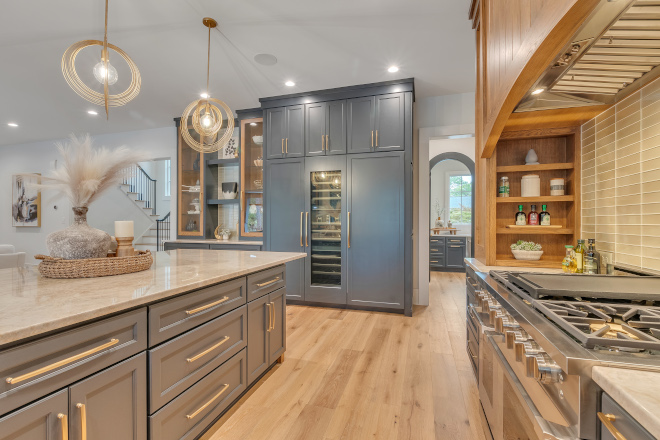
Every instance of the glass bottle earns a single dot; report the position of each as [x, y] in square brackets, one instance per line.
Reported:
[579, 256]
[568, 264]
[592, 258]
[533, 217]
[544, 216]
[521, 217]
[504, 186]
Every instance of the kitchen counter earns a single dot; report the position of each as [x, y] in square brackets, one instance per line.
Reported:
[478, 266]
[229, 242]
[31, 305]
[636, 391]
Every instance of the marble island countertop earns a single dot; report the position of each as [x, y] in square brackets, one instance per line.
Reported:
[230, 242]
[31, 304]
[478, 266]
[638, 392]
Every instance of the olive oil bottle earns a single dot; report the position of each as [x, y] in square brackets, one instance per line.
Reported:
[579, 256]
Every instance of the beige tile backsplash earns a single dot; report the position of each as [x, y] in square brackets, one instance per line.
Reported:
[621, 179]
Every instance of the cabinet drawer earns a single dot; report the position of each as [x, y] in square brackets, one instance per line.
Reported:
[170, 318]
[437, 249]
[623, 422]
[48, 364]
[437, 241]
[191, 413]
[179, 363]
[458, 240]
[436, 261]
[261, 283]
[38, 421]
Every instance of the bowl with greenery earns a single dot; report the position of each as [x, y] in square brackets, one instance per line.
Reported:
[526, 250]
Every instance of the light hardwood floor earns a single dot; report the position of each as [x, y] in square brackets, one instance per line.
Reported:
[364, 375]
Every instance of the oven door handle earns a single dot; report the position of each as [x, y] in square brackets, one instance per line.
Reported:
[544, 429]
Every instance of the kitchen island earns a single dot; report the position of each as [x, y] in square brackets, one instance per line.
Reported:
[170, 348]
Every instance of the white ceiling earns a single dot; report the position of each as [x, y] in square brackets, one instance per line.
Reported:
[319, 44]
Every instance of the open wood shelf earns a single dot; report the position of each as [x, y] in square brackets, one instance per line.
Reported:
[221, 201]
[551, 262]
[220, 162]
[539, 167]
[535, 200]
[536, 230]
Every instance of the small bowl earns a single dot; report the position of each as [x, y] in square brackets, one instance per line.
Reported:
[258, 140]
[527, 255]
[258, 162]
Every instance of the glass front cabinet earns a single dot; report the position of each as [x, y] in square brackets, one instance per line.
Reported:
[190, 190]
[325, 232]
[252, 178]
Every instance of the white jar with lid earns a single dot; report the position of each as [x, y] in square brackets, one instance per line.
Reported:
[557, 187]
[530, 186]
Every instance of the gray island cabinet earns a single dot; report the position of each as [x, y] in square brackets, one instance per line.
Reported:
[168, 351]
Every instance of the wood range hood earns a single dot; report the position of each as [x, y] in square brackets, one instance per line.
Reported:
[614, 53]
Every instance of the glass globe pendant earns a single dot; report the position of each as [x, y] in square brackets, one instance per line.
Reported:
[101, 74]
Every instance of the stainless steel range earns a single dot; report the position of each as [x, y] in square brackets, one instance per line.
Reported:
[534, 338]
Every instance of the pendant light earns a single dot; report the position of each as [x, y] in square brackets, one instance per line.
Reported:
[206, 115]
[104, 72]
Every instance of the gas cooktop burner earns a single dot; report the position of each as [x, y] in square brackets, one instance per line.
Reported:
[598, 324]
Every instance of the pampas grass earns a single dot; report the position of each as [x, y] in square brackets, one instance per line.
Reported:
[87, 171]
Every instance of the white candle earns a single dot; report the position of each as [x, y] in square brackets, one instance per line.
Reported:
[124, 229]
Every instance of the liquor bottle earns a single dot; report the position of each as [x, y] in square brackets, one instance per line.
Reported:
[592, 258]
[544, 216]
[568, 264]
[533, 217]
[579, 256]
[521, 218]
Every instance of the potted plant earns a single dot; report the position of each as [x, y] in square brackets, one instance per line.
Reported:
[438, 213]
[526, 250]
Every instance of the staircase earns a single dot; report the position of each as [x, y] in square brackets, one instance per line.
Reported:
[141, 189]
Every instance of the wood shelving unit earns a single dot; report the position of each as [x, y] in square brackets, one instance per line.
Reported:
[531, 168]
[221, 201]
[541, 230]
[535, 200]
[222, 162]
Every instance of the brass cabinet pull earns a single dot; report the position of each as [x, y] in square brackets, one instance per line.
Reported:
[207, 351]
[327, 142]
[208, 306]
[15, 380]
[282, 145]
[83, 420]
[348, 229]
[454, 245]
[372, 138]
[269, 317]
[268, 283]
[306, 229]
[322, 142]
[203, 407]
[301, 217]
[376, 137]
[433, 261]
[65, 426]
[272, 325]
[607, 420]
[455, 241]
[286, 146]
[435, 250]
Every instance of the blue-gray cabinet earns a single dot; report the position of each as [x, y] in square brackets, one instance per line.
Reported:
[360, 122]
[275, 132]
[285, 207]
[375, 236]
[285, 132]
[389, 122]
[325, 128]
[46, 419]
[447, 253]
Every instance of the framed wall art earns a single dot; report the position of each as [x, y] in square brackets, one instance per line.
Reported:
[26, 202]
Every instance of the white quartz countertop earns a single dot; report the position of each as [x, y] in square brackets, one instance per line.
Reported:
[478, 266]
[638, 392]
[31, 304]
[216, 241]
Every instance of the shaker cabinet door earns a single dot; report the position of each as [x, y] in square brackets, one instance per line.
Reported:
[376, 210]
[112, 404]
[360, 124]
[275, 132]
[390, 118]
[294, 141]
[455, 255]
[257, 347]
[44, 420]
[335, 139]
[315, 118]
[277, 334]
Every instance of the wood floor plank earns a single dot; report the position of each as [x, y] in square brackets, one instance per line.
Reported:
[335, 380]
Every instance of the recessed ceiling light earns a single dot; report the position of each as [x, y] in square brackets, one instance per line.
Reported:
[92, 112]
[289, 84]
[204, 95]
[265, 59]
[537, 91]
[393, 69]
[12, 124]
[254, 124]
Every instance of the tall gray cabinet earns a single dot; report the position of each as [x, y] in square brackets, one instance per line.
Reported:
[347, 201]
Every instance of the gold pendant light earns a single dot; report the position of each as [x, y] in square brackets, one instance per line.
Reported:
[103, 71]
[206, 114]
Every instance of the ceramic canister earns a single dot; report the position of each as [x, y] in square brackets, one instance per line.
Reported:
[530, 186]
[557, 187]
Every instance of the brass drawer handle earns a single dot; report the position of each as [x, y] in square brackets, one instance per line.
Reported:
[435, 250]
[607, 420]
[453, 245]
[203, 407]
[65, 426]
[15, 380]
[83, 420]
[456, 241]
[207, 351]
[268, 283]
[433, 261]
[208, 306]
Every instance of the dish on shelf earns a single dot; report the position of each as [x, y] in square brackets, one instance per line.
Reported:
[526, 255]
[258, 140]
[532, 226]
[259, 162]
[194, 212]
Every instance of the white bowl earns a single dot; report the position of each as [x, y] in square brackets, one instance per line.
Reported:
[258, 162]
[527, 255]
[229, 195]
[258, 140]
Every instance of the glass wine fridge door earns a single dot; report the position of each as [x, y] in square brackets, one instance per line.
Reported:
[325, 239]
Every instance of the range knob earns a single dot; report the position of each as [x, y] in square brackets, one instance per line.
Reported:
[526, 348]
[513, 336]
[546, 370]
[495, 313]
[505, 323]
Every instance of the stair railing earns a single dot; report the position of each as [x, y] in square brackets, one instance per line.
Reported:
[143, 185]
[162, 232]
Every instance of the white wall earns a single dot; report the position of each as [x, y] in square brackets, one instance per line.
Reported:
[56, 211]
[434, 118]
[439, 177]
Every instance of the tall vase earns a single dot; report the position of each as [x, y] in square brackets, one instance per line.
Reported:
[79, 241]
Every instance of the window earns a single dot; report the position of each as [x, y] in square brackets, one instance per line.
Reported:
[460, 199]
[168, 177]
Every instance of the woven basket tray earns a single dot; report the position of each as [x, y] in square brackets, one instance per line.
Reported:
[94, 267]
